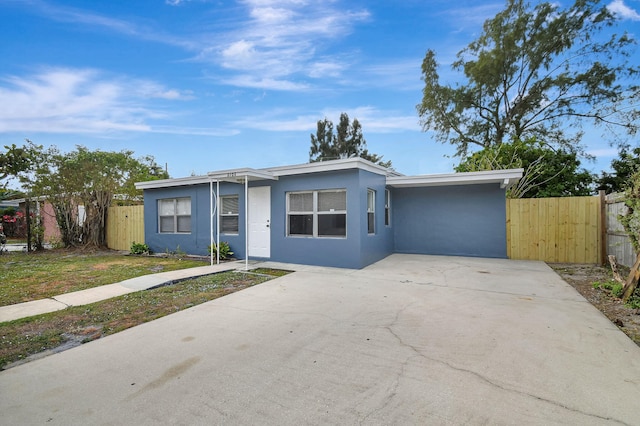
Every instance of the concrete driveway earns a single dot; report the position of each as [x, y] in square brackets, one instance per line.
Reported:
[408, 340]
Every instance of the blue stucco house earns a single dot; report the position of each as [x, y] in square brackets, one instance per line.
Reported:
[344, 213]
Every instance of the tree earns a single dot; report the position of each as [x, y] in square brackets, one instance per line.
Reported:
[347, 142]
[631, 223]
[627, 163]
[15, 161]
[548, 172]
[532, 73]
[90, 179]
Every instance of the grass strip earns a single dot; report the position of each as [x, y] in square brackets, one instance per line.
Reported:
[23, 339]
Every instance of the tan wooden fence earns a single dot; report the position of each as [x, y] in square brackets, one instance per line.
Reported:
[567, 229]
[125, 225]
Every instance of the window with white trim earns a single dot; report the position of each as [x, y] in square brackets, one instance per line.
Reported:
[174, 216]
[229, 217]
[387, 207]
[371, 211]
[317, 213]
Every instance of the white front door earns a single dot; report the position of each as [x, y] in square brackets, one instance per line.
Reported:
[260, 221]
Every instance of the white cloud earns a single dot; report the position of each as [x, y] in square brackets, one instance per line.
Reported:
[96, 21]
[64, 100]
[279, 40]
[255, 82]
[266, 40]
[625, 12]
[372, 119]
[463, 18]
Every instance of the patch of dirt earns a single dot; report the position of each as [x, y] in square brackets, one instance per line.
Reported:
[106, 265]
[582, 277]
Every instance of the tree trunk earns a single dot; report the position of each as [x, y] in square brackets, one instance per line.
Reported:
[614, 269]
[632, 280]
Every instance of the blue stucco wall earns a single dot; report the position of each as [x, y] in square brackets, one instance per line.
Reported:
[453, 220]
[450, 220]
[374, 247]
[198, 240]
[354, 251]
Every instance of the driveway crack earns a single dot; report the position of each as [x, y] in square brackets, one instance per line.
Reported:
[476, 374]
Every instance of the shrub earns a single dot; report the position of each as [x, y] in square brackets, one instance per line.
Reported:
[225, 250]
[616, 290]
[633, 302]
[139, 248]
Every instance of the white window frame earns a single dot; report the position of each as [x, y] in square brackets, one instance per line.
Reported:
[224, 213]
[315, 213]
[175, 215]
[371, 212]
[387, 207]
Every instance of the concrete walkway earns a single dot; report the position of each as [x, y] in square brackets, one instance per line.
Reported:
[96, 294]
[410, 340]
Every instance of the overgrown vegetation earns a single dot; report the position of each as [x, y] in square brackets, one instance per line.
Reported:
[224, 252]
[93, 180]
[612, 286]
[548, 172]
[139, 248]
[75, 325]
[631, 220]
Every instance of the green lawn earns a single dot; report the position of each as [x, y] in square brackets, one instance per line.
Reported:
[25, 277]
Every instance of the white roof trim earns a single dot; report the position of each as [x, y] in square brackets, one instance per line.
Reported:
[238, 175]
[333, 165]
[506, 178]
[166, 183]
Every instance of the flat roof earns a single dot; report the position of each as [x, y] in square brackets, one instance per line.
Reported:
[270, 173]
[506, 178]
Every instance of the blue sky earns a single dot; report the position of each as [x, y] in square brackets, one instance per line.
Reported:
[208, 85]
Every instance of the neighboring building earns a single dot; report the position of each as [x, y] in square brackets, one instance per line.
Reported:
[43, 209]
[345, 213]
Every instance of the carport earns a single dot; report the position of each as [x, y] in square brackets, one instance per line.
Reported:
[461, 214]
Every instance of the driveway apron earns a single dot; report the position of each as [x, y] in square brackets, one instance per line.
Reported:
[411, 339]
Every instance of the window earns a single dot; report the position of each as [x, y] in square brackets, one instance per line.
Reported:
[317, 213]
[371, 211]
[387, 207]
[174, 215]
[229, 214]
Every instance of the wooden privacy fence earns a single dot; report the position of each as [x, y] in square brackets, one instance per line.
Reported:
[125, 225]
[567, 229]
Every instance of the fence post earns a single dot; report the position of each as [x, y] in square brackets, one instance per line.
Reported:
[603, 227]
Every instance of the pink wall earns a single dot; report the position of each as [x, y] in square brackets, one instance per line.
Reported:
[51, 230]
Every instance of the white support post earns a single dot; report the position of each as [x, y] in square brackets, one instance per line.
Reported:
[211, 220]
[218, 222]
[246, 222]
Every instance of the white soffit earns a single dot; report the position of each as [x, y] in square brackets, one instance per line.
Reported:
[239, 175]
[166, 183]
[505, 178]
[231, 175]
